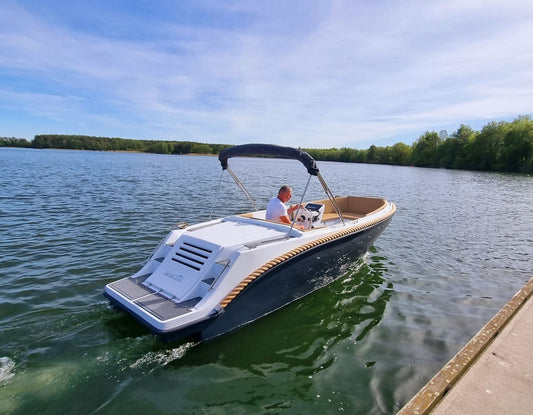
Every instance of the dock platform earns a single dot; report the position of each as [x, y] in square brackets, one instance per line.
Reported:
[492, 373]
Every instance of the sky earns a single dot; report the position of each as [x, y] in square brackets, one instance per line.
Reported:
[302, 73]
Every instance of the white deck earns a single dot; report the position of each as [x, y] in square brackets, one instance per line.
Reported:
[237, 230]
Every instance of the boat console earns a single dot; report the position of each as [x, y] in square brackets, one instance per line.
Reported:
[317, 210]
[311, 215]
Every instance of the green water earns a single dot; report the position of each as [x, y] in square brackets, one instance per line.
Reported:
[458, 248]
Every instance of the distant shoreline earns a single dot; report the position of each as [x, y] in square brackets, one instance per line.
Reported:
[505, 147]
[110, 151]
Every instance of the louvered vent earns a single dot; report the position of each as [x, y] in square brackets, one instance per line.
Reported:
[191, 255]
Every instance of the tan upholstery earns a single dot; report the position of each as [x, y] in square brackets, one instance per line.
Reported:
[352, 207]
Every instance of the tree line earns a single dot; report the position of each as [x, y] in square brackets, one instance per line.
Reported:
[499, 146]
[84, 142]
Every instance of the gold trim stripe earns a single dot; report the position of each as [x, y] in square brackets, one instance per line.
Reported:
[288, 255]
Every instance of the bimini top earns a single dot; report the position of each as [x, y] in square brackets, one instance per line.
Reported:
[250, 150]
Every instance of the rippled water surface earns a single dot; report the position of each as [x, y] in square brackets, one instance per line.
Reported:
[459, 246]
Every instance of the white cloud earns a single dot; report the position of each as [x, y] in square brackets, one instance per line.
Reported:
[334, 75]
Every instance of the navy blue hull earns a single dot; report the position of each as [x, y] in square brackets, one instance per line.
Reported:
[287, 282]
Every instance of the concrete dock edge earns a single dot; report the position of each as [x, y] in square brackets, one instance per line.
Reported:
[432, 393]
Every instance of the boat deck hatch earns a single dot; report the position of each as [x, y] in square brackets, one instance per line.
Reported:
[131, 288]
[165, 309]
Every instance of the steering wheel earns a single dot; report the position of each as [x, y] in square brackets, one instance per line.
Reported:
[305, 218]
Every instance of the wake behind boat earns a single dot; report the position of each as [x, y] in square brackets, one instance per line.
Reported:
[216, 276]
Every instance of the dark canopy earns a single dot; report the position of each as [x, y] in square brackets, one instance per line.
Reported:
[251, 150]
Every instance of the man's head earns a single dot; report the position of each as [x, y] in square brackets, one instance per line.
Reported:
[285, 193]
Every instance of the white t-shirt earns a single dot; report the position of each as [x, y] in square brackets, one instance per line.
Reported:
[275, 209]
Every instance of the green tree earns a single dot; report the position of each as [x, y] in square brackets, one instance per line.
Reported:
[463, 137]
[517, 152]
[160, 147]
[347, 155]
[371, 155]
[14, 142]
[485, 151]
[453, 151]
[401, 154]
[425, 150]
[200, 148]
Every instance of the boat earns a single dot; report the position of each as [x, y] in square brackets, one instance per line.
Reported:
[213, 277]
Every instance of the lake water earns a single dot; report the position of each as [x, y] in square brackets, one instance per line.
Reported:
[459, 246]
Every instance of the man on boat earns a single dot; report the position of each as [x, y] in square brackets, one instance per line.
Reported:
[276, 209]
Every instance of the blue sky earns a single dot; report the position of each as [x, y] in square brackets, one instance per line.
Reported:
[314, 74]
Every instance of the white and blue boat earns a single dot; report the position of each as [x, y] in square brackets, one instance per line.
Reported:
[213, 277]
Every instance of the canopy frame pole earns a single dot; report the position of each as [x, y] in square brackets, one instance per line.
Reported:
[243, 188]
[331, 197]
[216, 195]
